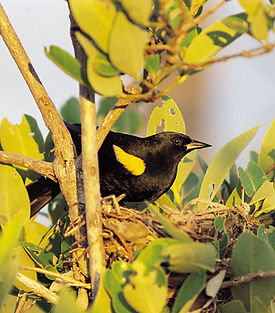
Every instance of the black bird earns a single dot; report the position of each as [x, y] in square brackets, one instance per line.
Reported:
[140, 168]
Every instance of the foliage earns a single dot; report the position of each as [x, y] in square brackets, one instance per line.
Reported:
[132, 41]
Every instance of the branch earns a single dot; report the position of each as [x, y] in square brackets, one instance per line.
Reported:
[247, 278]
[37, 288]
[115, 113]
[41, 167]
[64, 165]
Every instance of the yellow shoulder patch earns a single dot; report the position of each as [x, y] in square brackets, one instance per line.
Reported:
[133, 164]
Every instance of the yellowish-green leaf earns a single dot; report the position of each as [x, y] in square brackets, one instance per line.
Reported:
[14, 197]
[234, 198]
[250, 6]
[67, 302]
[95, 18]
[166, 203]
[126, 46]
[209, 42]
[19, 139]
[265, 160]
[264, 191]
[167, 116]
[221, 164]
[170, 118]
[107, 86]
[259, 24]
[134, 292]
[268, 205]
[139, 11]
[37, 234]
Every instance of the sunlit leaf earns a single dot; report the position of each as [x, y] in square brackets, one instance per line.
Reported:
[126, 46]
[14, 197]
[155, 284]
[103, 67]
[95, 18]
[66, 62]
[107, 86]
[19, 139]
[221, 164]
[152, 64]
[139, 11]
[264, 191]
[210, 41]
[268, 204]
[259, 24]
[67, 302]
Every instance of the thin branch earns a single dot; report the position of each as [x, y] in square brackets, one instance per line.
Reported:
[270, 169]
[115, 113]
[41, 167]
[37, 288]
[21, 303]
[247, 278]
[70, 281]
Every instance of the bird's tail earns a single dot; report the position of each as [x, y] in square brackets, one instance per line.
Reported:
[41, 192]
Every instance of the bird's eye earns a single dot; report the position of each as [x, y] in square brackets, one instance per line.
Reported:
[177, 142]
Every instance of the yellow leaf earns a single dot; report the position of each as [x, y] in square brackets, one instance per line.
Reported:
[21, 256]
[195, 5]
[14, 197]
[234, 199]
[37, 234]
[95, 18]
[126, 46]
[259, 25]
[221, 164]
[265, 160]
[134, 292]
[139, 11]
[263, 192]
[167, 116]
[107, 86]
[250, 6]
[209, 42]
[19, 139]
[268, 205]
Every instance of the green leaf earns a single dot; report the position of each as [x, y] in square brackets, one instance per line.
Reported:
[145, 287]
[246, 182]
[234, 306]
[238, 23]
[189, 292]
[92, 15]
[224, 241]
[66, 62]
[8, 240]
[168, 226]
[190, 257]
[107, 86]
[139, 11]
[14, 197]
[152, 64]
[221, 164]
[103, 67]
[210, 41]
[251, 254]
[268, 144]
[126, 46]
[70, 111]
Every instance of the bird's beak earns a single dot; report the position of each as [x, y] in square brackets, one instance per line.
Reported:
[194, 144]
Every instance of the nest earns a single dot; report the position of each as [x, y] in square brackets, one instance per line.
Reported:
[127, 231]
